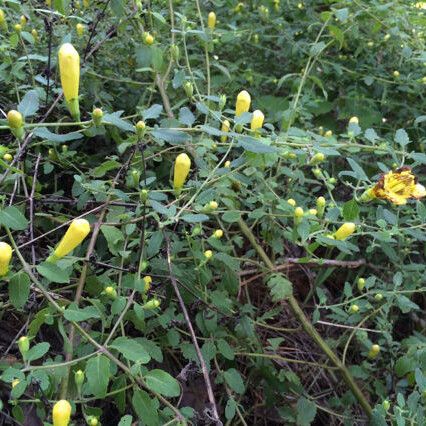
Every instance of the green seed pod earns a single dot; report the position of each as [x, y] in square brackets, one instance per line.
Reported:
[361, 284]
[97, 115]
[189, 89]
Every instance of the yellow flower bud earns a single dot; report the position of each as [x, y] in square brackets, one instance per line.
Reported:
[111, 292]
[69, 69]
[86, 3]
[361, 284]
[386, 37]
[354, 120]
[208, 254]
[5, 258]
[76, 233]
[374, 351]
[396, 74]
[313, 212]
[61, 413]
[97, 115]
[18, 28]
[345, 231]
[92, 421]
[225, 128]
[257, 120]
[354, 309]
[15, 382]
[151, 304]
[80, 29]
[8, 157]
[34, 33]
[15, 119]
[79, 377]
[149, 39]
[328, 134]
[23, 345]
[298, 212]
[243, 103]
[213, 205]
[291, 202]
[218, 233]
[211, 20]
[319, 157]
[378, 297]
[181, 171]
[23, 20]
[2, 17]
[147, 280]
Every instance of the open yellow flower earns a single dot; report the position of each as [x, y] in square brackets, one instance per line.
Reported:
[397, 187]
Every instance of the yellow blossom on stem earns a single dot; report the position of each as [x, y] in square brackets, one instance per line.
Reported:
[211, 20]
[5, 258]
[181, 171]
[69, 69]
[76, 233]
[345, 231]
[396, 186]
[61, 413]
[243, 103]
[225, 128]
[257, 120]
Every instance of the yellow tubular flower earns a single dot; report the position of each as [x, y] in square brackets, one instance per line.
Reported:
[243, 103]
[76, 233]
[61, 413]
[69, 68]
[15, 119]
[181, 171]
[5, 258]
[211, 20]
[396, 186]
[345, 231]
[226, 125]
[257, 120]
[80, 29]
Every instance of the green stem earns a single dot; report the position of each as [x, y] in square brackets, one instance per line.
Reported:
[309, 328]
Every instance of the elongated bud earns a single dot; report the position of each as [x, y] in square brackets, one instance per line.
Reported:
[80, 29]
[175, 52]
[61, 413]
[298, 215]
[318, 158]
[361, 284]
[148, 39]
[148, 281]
[211, 20]
[225, 128]
[69, 69]
[222, 101]
[23, 20]
[111, 292]
[208, 254]
[5, 257]
[136, 174]
[3, 23]
[320, 206]
[23, 345]
[140, 129]
[218, 234]
[345, 231]
[79, 378]
[16, 123]
[34, 33]
[86, 3]
[257, 120]
[76, 233]
[151, 304]
[97, 115]
[386, 405]
[196, 231]
[181, 171]
[189, 89]
[243, 103]
[367, 195]
[143, 195]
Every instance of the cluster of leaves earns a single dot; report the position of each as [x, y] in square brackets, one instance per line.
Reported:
[309, 66]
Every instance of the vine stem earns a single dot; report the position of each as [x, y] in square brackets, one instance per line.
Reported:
[309, 328]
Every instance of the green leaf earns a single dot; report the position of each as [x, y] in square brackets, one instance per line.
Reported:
[29, 104]
[230, 409]
[186, 116]
[281, 288]
[162, 209]
[231, 216]
[115, 120]
[234, 380]
[13, 219]
[74, 313]
[105, 167]
[53, 273]
[19, 289]
[114, 238]
[97, 373]
[44, 133]
[126, 420]
[195, 218]
[358, 171]
[154, 111]
[401, 137]
[225, 349]
[162, 382]
[174, 137]
[258, 146]
[145, 408]
[131, 349]
[350, 210]
[306, 411]
[37, 351]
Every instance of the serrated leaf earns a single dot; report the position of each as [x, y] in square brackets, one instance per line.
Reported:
[13, 219]
[162, 382]
[97, 373]
[401, 137]
[29, 104]
[281, 288]
[131, 349]
[186, 116]
[234, 380]
[306, 411]
[19, 289]
[145, 408]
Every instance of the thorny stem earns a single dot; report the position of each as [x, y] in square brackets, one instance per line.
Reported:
[309, 328]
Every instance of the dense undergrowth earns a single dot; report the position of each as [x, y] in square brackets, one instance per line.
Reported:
[239, 268]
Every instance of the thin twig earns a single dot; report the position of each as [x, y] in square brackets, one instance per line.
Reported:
[193, 336]
[31, 202]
